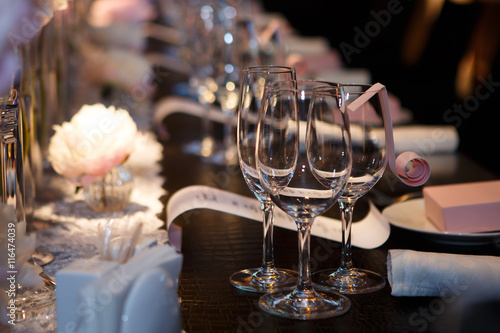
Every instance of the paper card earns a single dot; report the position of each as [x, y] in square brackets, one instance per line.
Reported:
[409, 167]
[369, 233]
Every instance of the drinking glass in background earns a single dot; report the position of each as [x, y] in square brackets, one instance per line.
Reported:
[222, 41]
[268, 277]
[199, 53]
[237, 48]
[368, 164]
[304, 159]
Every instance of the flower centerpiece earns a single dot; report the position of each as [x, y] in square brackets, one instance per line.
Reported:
[89, 151]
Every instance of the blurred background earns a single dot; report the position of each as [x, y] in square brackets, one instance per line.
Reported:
[439, 58]
[434, 55]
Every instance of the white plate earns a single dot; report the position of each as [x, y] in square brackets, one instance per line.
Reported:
[410, 215]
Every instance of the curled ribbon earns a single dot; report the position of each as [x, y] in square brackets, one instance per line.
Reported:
[368, 233]
[410, 168]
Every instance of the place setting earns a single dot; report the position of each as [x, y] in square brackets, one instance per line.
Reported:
[312, 117]
[323, 294]
[146, 147]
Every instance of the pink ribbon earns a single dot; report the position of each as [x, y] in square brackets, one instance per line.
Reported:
[410, 168]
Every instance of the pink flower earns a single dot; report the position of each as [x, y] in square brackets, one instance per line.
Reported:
[96, 140]
[106, 12]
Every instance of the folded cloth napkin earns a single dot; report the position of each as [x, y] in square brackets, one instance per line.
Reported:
[412, 273]
[426, 139]
[423, 139]
[141, 292]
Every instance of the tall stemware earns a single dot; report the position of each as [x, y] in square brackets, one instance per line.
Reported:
[303, 157]
[237, 48]
[200, 49]
[368, 165]
[266, 278]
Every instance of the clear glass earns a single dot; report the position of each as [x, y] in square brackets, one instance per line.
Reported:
[111, 192]
[222, 42]
[237, 49]
[266, 278]
[199, 52]
[11, 154]
[303, 157]
[368, 165]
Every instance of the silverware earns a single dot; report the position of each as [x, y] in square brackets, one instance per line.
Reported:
[48, 280]
[41, 258]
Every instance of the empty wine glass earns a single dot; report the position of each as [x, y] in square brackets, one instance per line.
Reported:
[303, 157]
[266, 278]
[200, 15]
[368, 165]
[237, 48]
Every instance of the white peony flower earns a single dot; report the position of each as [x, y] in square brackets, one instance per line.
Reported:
[96, 140]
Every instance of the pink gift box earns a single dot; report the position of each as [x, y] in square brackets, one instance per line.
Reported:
[464, 208]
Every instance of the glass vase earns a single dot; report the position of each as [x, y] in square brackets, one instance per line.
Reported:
[11, 155]
[111, 192]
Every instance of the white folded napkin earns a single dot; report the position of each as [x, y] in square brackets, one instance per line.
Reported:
[142, 292]
[426, 139]
[412, 273]
[305, 45]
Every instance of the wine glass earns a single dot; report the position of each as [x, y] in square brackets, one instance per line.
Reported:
[303, 157]
[237, 48]
[368, 165]
[200, 15]
[266, 278]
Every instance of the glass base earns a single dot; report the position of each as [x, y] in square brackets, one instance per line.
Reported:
[305, 305]
[258, 281]
[212, 152]
[34, 304]
[222, 156]
[348, 281]
[203, 148]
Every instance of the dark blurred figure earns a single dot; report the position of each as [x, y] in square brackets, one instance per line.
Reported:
[439, 57]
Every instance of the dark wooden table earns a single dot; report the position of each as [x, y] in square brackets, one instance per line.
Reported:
[215, 245]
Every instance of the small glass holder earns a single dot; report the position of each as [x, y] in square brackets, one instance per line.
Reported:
[111, 192]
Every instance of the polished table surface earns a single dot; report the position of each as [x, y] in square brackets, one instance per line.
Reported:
[216, 244]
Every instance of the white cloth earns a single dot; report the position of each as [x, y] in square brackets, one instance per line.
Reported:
[76, 218]
[426, 140]
[73, 226]
[141, 293]
[412, 273]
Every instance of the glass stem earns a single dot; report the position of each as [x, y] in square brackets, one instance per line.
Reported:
[228, 139]
[207, 141]
[228, 135]
[346, 208]
[304, 233]
[268, 246]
